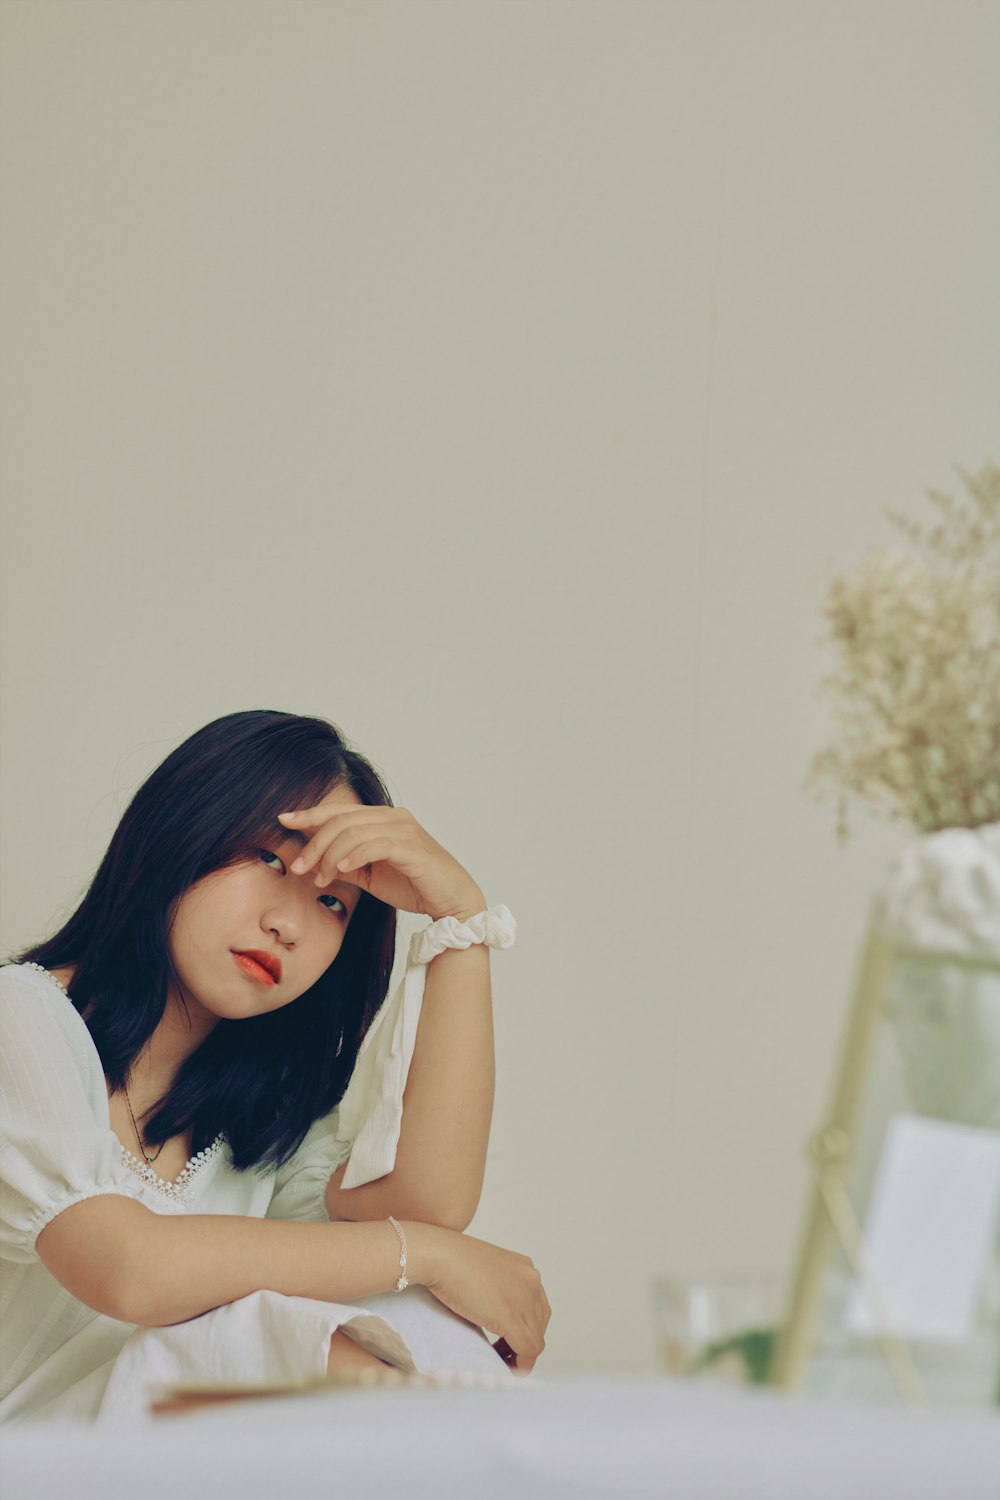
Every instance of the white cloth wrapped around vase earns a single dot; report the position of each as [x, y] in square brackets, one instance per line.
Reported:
[939, 909]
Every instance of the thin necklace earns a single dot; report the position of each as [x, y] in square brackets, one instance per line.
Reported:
[138, 1136]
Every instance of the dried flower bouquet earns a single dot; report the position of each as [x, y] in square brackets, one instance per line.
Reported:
[917, 687]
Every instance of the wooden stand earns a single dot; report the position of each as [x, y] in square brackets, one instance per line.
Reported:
[830, 1213]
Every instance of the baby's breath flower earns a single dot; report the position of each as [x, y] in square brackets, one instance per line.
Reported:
[917, 686]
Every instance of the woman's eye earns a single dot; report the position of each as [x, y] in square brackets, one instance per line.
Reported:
[339, 909]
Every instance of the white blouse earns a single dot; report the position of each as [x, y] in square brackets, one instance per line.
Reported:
[57, 1147]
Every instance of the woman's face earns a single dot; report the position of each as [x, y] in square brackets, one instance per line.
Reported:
[259, 907]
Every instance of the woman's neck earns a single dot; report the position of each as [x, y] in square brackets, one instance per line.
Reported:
[171, 1044]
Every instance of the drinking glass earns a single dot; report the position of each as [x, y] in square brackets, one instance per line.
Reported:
[718, 1326]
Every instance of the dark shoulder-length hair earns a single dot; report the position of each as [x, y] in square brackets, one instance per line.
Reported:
[260, 1082]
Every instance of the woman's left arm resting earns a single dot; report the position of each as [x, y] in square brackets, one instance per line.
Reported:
[447, 1104]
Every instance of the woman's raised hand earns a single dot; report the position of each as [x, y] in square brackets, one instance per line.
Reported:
[499, 1290]
[385, 851]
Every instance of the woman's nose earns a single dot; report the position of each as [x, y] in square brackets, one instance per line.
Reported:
[284, 921]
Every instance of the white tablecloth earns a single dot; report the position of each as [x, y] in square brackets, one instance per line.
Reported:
[583, 1437]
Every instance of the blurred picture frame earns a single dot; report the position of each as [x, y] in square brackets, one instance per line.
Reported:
[895, 1287]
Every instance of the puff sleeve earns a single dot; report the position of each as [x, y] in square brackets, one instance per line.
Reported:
[56, 1142]
[299, 1190]
[366, 1124]
[371, 1111]
[364, 1129]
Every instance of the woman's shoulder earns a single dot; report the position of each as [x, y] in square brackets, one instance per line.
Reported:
[30, 993]
[30, 978]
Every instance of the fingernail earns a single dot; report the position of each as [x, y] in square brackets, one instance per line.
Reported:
[298, 865]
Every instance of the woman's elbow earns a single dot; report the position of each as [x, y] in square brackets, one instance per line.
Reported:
[457, 1215]
[421, 1208]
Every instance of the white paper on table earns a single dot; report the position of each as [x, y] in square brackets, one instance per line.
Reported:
[929, 1227]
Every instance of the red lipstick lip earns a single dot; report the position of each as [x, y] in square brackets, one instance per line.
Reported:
[266, 960]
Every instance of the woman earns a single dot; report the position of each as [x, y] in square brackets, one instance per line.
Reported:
[201, 1056]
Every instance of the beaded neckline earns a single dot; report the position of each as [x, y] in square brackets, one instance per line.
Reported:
[178, 1191]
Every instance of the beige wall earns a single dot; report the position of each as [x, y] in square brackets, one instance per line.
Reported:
[498, 380]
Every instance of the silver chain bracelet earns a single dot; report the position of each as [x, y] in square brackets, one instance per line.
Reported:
[402, 1283]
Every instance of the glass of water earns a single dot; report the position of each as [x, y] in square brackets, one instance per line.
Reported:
[719, 1326]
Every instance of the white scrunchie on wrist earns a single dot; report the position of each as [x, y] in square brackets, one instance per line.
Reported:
[495, 927]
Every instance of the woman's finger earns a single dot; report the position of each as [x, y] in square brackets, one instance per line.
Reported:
[314, 817]
[364, 845]
[367, 851]
[329, 844]
[328, 822]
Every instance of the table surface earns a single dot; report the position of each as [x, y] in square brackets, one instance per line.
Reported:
[572, 1436]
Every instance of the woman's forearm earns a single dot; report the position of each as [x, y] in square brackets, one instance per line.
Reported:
[126, 1261]
[447, 1105]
